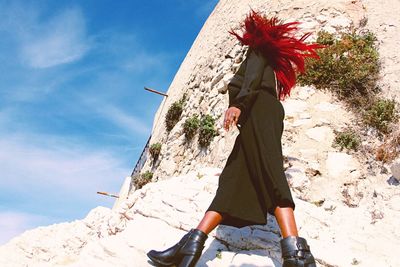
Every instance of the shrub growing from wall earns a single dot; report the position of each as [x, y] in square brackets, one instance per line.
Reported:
[348, 66]
[207, 130]
[174, 113]
[191, 126]
[142, 179]
[390, 149]
[348, 139]
[155, 150]
[381, 114]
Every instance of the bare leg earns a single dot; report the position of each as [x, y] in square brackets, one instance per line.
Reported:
[292, 244]
[286, 221]
[210, 220]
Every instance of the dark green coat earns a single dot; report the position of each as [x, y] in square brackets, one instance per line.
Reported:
[254, 73]
[253, 182]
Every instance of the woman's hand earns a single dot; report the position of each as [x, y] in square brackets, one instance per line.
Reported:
[231, 116]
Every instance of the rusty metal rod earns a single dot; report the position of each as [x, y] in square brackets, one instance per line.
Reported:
[107, 194]
[154, 91]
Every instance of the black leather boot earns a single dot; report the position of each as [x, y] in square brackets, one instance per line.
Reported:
[296, 252]
[185, 253]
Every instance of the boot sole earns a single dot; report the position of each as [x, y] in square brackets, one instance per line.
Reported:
[158, 262]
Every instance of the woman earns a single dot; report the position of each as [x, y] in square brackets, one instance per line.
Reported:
[253, 182]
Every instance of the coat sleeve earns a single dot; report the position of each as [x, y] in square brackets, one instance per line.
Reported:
[251, 81]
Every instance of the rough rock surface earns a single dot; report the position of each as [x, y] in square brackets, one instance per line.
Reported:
[344, 205]
[383, 20]
[156, 216]
[395, 169]
[214, 57]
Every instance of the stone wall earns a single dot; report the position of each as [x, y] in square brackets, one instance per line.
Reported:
[207, 68]
[347, 207]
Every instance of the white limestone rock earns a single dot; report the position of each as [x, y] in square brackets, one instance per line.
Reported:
[305, 92]
[168, 166]
[394, 203]
[55, 244]
[395, 169]
[157, 215]
[327, 107]
[305, 115]
[160, 213]
[124, 192]
[294, 107]
[340, 164]
[321, 134]
[301, 122]
[308, 153]
[297, 178]
[340, 23]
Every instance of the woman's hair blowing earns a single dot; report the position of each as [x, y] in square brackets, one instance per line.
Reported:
[277, 42]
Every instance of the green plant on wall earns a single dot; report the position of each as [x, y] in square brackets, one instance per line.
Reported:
[380, 114]
[155, 150]
[141, 179]
[348, 66]
[348, 139]
[191, 126]
[207, 130]
[174, 113]
[390, 149]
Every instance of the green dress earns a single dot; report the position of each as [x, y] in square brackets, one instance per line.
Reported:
[253, 182]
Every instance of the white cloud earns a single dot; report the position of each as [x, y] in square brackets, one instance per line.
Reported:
[46, 43]
[14, 223]
[128, 122]
[131, 124]
[60, 40]
[53, 176]
[56, 165]
[126, 51]
[142, 62]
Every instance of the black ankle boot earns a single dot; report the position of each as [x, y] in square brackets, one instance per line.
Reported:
[186, 252]
[296, 252]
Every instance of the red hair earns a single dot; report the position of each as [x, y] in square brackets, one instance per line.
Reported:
[276, 42]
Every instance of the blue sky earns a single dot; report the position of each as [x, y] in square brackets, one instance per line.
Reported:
[73, 113]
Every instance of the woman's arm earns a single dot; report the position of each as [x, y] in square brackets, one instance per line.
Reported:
[248, 79]
[251, 81]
